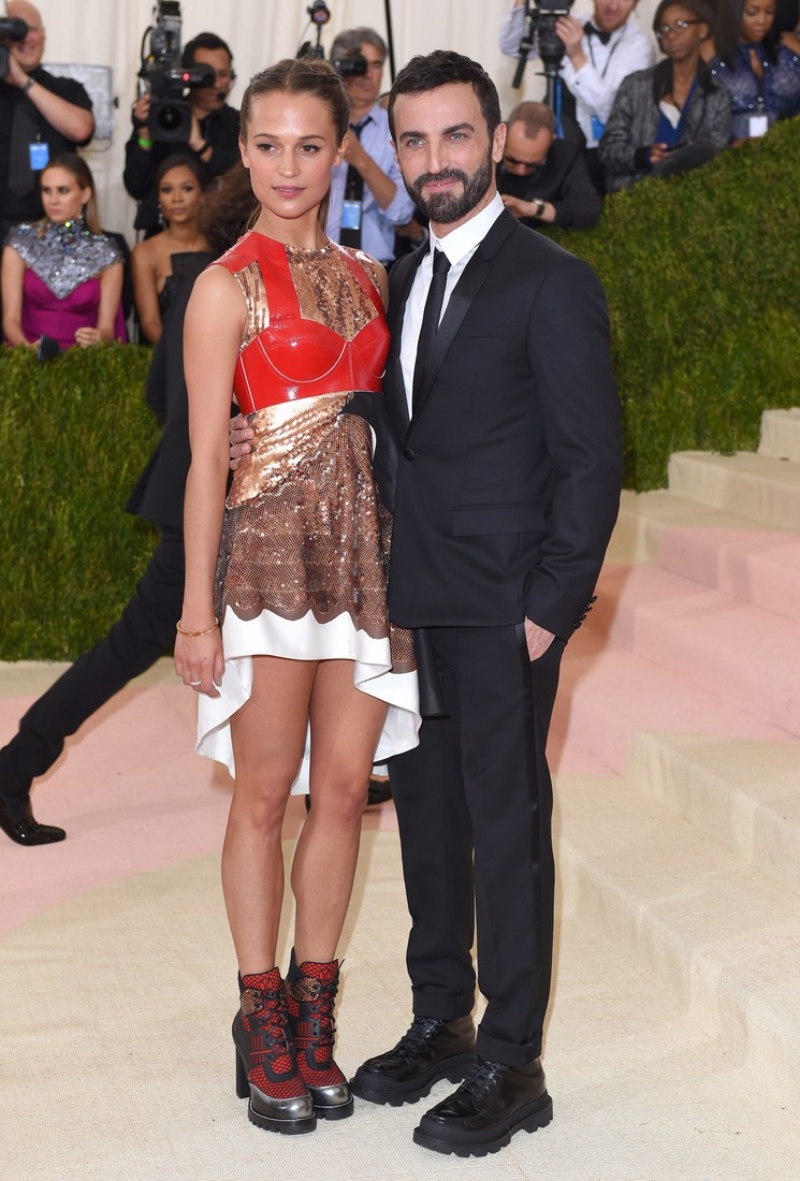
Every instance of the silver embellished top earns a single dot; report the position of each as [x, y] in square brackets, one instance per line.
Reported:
[63, 256]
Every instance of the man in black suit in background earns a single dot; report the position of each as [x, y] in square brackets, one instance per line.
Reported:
[544, 180]
[147, 625]
[507, 421]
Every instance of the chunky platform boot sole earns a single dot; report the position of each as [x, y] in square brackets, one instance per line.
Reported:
[339, 1111]
[529, 1119]
[287, 1127]
[396, 1093]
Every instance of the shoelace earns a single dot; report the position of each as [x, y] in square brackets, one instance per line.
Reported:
[479, 1078]
[321, 1010]
[269, 1021]
[416, 1038]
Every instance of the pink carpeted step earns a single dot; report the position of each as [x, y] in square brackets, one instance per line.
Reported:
[761, 568]
[745, 655]
[606, 696]
[622, 589]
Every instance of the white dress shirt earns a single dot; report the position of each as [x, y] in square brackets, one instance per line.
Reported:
[594, 86]
[459, 246]
[377, 225]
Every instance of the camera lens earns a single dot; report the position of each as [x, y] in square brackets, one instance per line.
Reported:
[169, 118]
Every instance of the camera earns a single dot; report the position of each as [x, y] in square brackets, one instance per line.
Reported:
[11, 29]
[318, 15]
[351, 67]
[540, 34]
[170, 119]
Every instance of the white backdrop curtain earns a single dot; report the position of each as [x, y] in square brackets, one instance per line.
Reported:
[98, 33]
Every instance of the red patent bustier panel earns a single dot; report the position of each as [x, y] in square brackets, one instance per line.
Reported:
[293, 357]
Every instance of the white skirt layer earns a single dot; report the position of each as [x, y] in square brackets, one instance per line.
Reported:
[306, 639]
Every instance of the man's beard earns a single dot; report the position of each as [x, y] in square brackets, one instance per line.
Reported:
[445, 208]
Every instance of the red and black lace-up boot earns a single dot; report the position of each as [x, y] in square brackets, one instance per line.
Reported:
[310, 995]
[266, 1063]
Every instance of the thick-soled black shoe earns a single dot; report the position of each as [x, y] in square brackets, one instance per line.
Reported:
[429, 1051]
[493, 1102]
[18, 823]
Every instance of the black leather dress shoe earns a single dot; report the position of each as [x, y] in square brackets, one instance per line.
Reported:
[493, 1102]
[429, 1051]
[20, 826]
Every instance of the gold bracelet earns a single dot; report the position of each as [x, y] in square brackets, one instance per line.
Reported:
[184, 632]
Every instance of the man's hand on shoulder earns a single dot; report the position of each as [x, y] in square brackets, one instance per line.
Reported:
[538, 639]
[241, 434]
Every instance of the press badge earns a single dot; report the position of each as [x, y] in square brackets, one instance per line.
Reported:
[39, 156]
[351, 215]
[598, 127]
[759, 125]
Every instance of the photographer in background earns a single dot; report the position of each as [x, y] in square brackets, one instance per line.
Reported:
[543, 179]
[41, 116]
[598, 55]
[214, 135]
[368, 198]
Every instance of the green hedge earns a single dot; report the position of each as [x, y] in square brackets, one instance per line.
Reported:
[704, 292]
[703, 283]
[74, 435]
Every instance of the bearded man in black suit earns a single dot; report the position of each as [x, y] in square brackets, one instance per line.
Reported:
[502, 402]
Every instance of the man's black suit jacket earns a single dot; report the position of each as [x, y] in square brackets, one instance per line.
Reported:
[158, 494]
[509, 474]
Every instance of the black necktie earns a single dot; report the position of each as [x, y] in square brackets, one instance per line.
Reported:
[430, 323]
[354, 191]
[592, 31]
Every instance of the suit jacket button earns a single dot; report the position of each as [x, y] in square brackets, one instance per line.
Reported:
[409, 454]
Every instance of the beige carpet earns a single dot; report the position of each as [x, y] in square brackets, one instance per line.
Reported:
[116, 1062]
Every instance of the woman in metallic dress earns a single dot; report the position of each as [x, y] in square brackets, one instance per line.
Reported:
[284, 632]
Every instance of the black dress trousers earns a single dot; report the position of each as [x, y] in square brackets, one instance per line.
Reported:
[144, 631]
[474, 806]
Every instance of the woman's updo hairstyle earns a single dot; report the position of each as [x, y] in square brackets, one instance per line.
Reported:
[301, 76]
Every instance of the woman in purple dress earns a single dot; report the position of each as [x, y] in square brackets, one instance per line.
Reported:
[62, 277]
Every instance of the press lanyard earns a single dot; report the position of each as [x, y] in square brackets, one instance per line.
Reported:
[610, 54]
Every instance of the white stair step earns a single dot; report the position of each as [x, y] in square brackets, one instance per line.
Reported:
[757, 486]
[644, 518]
[780, 434]
[740, 792]
[723, 938]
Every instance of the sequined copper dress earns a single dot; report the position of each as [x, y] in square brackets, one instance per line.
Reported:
[304, 550]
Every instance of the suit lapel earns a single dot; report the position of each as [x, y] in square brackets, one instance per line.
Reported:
[466, 289]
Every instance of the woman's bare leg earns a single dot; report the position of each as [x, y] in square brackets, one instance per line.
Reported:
[345, 728]
[269, 734]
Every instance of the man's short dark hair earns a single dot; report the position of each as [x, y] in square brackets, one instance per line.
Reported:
[203, 41]
[440, 68]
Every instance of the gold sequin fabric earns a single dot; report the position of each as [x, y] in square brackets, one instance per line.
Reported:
[304, 528]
